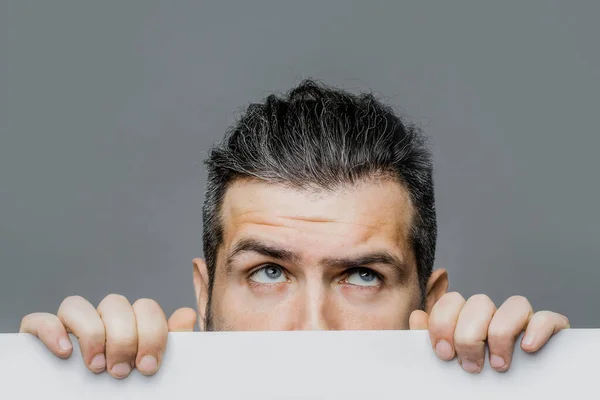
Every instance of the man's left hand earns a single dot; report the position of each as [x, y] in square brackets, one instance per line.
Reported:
[462, 328]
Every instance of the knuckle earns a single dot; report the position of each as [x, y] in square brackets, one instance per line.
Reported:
[71, 300]
[519, 300]
[28, 319]
[38, 322]
[115, 298]
[456, 295]
[453, 297]
[482, 302]
[480, 298]
[543, 317]
[449, 303]
[147, 304]
[151, 319]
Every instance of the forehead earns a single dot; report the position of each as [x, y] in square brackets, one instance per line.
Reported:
[369, 213]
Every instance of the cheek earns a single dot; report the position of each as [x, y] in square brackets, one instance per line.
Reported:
[349, 311]
[240, 309]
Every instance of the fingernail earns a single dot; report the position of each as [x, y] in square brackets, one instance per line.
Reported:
[121, 369]
[443, 349]
[497, 362]
[98, 362]
[528, 340]
[148, 364]
[65, 344]
[469, 366]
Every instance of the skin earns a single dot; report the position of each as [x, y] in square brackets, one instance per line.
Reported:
[311, 278]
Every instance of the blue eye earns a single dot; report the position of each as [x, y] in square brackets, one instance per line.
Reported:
[364, 277]
[269, 274]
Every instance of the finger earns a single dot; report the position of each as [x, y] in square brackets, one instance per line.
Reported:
[50, 331]
[80, 317]
[442, 324]
[541, 327]
[506, 325]
[152, 335]
[418, 321]
[471, 332]
[182, 320]
[121, 334]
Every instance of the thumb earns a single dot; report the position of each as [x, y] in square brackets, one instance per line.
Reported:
[182, 320]
[419, 320]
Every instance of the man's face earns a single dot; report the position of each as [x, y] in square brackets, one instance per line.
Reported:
[296, 260]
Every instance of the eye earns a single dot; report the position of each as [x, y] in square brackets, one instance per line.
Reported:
[364, 277]
[269, 274]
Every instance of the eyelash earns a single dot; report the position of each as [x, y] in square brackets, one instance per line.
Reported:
[262, 267]
[350, 271]
[346, 273]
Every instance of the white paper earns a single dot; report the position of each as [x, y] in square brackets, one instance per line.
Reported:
[306, 365]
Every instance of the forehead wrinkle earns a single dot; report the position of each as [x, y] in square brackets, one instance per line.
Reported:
[279, 220]
[391, 219]
[327, 221]
[254, 204]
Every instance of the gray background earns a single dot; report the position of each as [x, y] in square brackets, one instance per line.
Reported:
[107, 109]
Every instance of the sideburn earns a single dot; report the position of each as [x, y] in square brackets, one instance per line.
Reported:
[208, 317]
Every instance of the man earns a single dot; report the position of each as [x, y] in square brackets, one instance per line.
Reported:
[319, 214]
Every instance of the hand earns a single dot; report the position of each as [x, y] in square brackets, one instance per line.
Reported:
[115, 337]
[461, 328]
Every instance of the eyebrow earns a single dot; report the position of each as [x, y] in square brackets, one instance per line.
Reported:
[255, 246]
[279, 253]
[365, 260]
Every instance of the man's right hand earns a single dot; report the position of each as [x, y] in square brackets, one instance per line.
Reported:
[116, 337]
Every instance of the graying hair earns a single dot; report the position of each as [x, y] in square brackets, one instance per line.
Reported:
[320, 137]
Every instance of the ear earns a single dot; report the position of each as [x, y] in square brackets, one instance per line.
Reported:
[437, 286]
[201, 289]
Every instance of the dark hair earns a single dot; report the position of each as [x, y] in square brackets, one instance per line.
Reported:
[321, 137]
